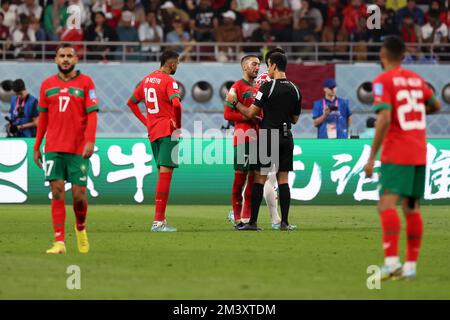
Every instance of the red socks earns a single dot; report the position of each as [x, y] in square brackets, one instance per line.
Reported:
[59, 218]
[414, 231]
[162, 195]
[390, 223]
[80, 209]
[246, 212]
[236, 193]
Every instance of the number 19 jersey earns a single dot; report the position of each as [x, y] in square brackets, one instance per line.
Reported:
[404, 93]
[157, 91]
[67, 104]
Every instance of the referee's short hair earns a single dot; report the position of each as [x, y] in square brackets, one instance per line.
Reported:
[279, 60]
[168, 55]
[272, 51]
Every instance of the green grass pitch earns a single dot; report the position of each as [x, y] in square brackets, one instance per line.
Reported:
[326, 259]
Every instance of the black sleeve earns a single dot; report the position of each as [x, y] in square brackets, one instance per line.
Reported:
[297, 107]
[262, 94]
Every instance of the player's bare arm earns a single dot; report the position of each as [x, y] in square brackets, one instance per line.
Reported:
[250, 112]
[381, 128]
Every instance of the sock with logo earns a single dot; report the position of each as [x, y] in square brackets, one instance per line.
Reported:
[414, 231]
[390, 223]
[236, 193]
[246, 209]
[80, 209]
[162, 195]
[59, 219]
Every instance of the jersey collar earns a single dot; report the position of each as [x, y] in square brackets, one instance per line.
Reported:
[246, 82]
[77, 74]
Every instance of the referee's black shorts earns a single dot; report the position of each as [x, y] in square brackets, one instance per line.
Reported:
[279, 155]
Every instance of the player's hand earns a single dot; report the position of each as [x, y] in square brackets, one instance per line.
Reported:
[37, 156]
[368, 168]
[257, 119]
[88, 150]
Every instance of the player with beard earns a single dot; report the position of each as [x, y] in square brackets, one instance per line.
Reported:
[159, 91]
[244, 140]
[68, 119]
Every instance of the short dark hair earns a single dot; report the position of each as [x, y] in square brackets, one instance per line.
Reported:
[395, 47]
[279, 60]
[272, 51]
[168, 55]
[64, 46]
[245, 58]
[18, 85]
[433, 13]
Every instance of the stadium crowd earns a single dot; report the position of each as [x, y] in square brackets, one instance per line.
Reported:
[183, 22]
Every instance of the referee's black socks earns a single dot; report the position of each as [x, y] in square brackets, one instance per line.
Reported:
[257, 195]
[285, 201]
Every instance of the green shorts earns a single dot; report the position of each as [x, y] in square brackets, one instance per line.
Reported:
[66, 166]
[165, 152]
[243, 161]
[404, 180]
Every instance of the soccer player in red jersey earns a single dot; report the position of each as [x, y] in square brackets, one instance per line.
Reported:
[159, 91]
[402, 99]
[68, 119]
[244, 138]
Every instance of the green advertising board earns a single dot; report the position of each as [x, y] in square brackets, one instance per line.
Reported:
[123, 172]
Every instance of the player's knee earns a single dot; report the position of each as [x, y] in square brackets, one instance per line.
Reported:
[58, 194]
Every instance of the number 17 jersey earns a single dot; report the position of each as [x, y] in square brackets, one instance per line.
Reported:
[157, 91]
[405, 94]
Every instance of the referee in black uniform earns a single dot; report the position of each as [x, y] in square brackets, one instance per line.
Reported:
[280, 101]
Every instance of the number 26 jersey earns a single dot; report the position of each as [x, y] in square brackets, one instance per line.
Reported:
[405, 94]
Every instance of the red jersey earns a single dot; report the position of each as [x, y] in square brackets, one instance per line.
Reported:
[67, 104]
[404, 93]
[245, 95]
[157, 90]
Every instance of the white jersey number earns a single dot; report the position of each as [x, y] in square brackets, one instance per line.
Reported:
[412, 105]
[63, 103]
[151, 98]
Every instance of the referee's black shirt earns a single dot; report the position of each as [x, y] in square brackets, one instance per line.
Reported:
[280, 99]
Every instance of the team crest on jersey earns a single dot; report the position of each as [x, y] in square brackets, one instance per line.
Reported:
[378, 89]
[92, 94]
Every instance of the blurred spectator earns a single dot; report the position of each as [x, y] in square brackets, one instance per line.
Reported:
[369, 133]
[435, 32]
[55, 17]
[437, 5]
[228, 31]
[411, 33]
[23, 110]
[10, 14]
[335, 33]
[112, 10]
[333, 8]
[73, 34]
[304, 33]
[126, 32]
[203, 22]
[137, 11]
[4, 30]
[280, 18]
[313, 16]
[251, 13]
[381, 4]
[30, 8]
[99, 31]
[169, 11]
[180, 37]
[39, 32]
[149, 32]
[360, 36]
[413, 10]
[395, 4]
[23, 32]
[262, 34]
[84, 12]
[331, 115]
[355, 10]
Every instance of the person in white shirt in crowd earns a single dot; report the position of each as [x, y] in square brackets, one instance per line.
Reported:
[30, 8]
[150, 32]
[11, 18]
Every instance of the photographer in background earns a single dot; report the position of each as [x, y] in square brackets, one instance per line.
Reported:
[331, 115]
[23, 115]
